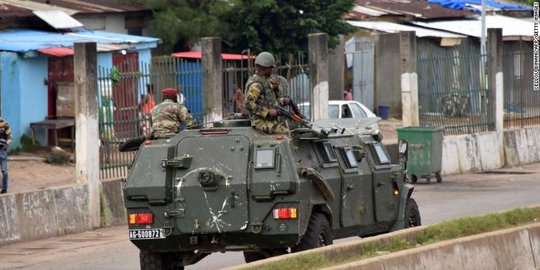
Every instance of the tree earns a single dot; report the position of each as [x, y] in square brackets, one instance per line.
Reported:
[282, 26]
[181, 23]
[278, 26]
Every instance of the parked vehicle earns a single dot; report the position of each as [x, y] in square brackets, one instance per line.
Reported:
[343, 109]
[233, 188]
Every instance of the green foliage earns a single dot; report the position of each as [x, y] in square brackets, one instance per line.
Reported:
[278, 26]
[181, 23]
[282, 26]
[475, 225]
[435, 233]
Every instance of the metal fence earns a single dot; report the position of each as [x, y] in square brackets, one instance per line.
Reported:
[453, 88]
[128, 91]
[521, 102]
[293, 67]
[126, 94]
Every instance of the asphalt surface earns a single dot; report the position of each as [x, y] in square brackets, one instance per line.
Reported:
[457, 196]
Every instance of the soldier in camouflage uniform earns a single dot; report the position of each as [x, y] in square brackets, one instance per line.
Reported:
[5, 140]
[169, 115]
[263, 95]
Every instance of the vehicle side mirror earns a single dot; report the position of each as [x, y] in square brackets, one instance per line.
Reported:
[403, 148]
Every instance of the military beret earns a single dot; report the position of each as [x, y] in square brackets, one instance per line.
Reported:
[169, 92]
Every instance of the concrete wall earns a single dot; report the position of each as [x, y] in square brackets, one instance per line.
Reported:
[506, 249]
[479, 152]
[516, 248]
[388, 73]
[24, 94]
[56, 211]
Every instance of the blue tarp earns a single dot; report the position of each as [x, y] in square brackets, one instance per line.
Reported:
[465, 4]
[22, 40]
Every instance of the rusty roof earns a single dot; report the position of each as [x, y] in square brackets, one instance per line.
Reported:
[93, 6]
[404, 8]
[17, 8]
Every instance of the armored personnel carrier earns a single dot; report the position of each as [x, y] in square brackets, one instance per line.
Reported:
[233, 188]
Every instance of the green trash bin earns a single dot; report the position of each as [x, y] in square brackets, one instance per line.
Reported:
[425, 152]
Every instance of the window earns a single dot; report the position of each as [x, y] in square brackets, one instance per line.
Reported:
[264, 158]
[345, 112]
[357, 111]
[327, 152]
[381, 154]
[333, 111]
[350, 158]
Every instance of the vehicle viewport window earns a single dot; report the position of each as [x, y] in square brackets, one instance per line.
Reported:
[351, 159]
[345, 112]
[264, 158]
[327, 152]
[381, 154]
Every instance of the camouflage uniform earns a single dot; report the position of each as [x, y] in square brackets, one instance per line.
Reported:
[5, 140]
[167, 117]
[260, 97]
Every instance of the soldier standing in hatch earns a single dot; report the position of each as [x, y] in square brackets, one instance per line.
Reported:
[263, 95]
[169, 115]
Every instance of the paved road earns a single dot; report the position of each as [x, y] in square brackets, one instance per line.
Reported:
[456, 196]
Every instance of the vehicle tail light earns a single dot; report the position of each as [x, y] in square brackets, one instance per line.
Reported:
[141, 218]
[285, 213]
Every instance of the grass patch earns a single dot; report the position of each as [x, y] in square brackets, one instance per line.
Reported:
[475, 225]
[435, 233]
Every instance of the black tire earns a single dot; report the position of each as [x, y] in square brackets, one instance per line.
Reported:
[318, 233]
[251, 256]
[412, 214]
[414, 179]
[438, 177]
[159, 261]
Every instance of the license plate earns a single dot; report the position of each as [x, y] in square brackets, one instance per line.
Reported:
[146, 234]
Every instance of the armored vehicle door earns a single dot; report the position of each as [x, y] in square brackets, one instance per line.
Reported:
[356, 196]
[211, 195]
[384, 183]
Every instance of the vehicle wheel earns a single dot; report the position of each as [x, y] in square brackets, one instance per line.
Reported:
[159, 261]
[438, 177]
[318, 233]
[414, 179]
[251, 256]
[412, 214]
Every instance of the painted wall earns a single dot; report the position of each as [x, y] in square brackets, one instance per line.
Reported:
[24, 95]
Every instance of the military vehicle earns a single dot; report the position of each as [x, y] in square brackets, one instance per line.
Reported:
[233, 188]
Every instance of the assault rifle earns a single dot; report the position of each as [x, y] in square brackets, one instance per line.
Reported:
[292, 116]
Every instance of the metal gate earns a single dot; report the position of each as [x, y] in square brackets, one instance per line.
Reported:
[453, 87]
[361, 53]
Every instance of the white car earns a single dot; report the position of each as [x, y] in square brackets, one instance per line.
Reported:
[343, 109]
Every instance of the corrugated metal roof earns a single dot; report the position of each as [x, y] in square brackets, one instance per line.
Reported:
[32, 40]
[476, 5]
[58, 19]
[70, 7]
[65, 51]
[225, 56]
[389, 27]
[408, 8]
[512, 28]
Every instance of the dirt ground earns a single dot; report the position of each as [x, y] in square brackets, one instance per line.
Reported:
[30, 171]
